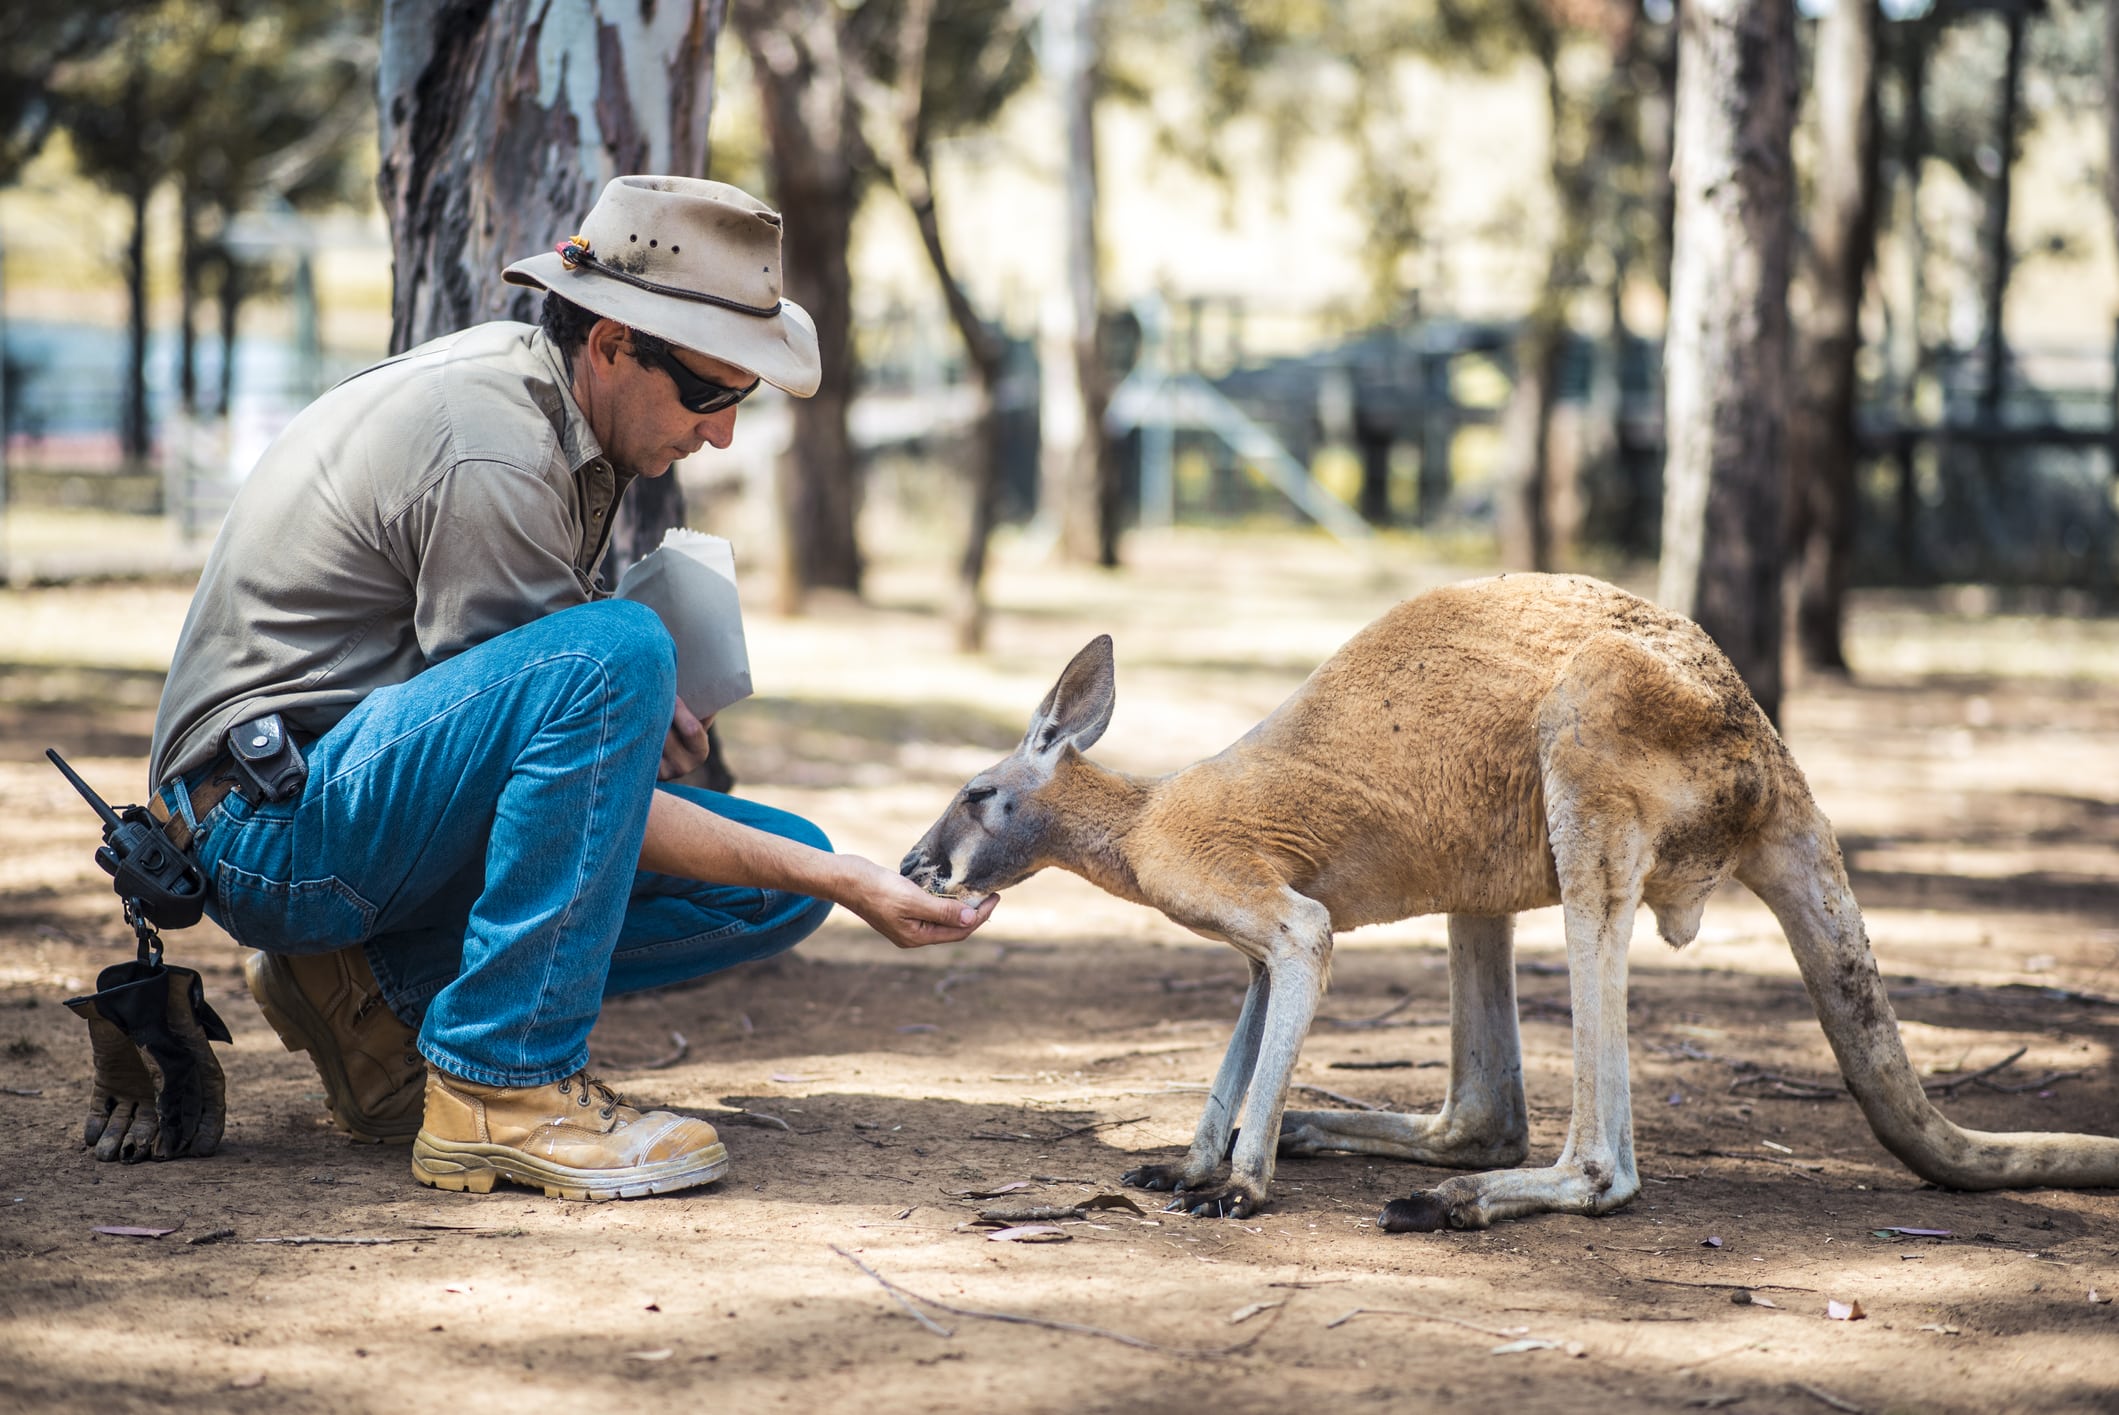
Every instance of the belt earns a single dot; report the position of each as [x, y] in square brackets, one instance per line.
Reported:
[218, 781]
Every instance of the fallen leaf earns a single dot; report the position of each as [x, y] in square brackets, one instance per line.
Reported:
[1779, 1149]
[249, 1382]
[1710, 1242]
[2098, 1298]
[464, 1287]
[1911, 1233]
[125, 1231]
[1112, 1201]
[653, 1307]
[904, 1214]
[1844, 1311]
[788, 1079]
[1244, 1314]
[1944, 1330]
[1031, 1233]
[1752, 1299]
[660, 1353]
[988, 1193]
[1528, 1343]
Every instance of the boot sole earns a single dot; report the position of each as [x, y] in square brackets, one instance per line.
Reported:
[469, 1166]
[294, 1019]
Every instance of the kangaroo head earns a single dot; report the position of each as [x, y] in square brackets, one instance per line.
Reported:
[999, 829]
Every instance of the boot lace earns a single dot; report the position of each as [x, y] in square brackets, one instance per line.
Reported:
[587, 1090]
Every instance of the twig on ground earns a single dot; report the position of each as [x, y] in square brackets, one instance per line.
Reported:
[1383, 1019]
[1369, 1066]
[682, 1049]
[1947, 1086]
[317, 1238]
[1343, 1100]
[1724, 1286]
[1091, 1129]
[1827, 1397]
[754, 1117]
[2051, 1078]
[1793, 1087]
[1347, 1316]
[901, 1294]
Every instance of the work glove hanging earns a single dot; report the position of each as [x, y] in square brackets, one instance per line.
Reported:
[151, 1020]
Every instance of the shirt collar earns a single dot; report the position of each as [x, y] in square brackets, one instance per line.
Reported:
[577, 441]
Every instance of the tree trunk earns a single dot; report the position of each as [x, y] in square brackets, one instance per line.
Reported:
[136, 434]
[1822, 457]
[817, 152]
[230, 300]
[1726, 362]
[1089, 505]
[187, 298]
[503, 119]
[2000, 260]
[1523, 513]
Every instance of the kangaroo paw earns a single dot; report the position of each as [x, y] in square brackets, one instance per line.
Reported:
[1233, 1200]
[1423, 1212]
[1165, 1177]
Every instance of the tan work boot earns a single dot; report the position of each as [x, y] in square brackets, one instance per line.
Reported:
[328, 1004]
[576, 1139]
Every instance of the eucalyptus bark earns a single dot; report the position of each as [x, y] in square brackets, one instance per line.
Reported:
[1090, 510]
[1822, 452]
[1726, 360]
[813, 135]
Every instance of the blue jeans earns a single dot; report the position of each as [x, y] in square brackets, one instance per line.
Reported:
[478, 830]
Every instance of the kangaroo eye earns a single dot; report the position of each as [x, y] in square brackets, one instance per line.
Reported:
[975, 794]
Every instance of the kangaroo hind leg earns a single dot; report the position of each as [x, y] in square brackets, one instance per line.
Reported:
[1483, 1122]
[1602, 857]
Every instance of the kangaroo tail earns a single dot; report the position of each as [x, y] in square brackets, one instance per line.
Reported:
[1796, 868]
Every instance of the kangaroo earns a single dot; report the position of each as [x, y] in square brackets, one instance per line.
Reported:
[1480, 750]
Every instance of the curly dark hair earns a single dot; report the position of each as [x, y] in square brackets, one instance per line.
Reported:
[568, 324]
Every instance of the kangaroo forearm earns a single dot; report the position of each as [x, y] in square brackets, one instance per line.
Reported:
[685, 840]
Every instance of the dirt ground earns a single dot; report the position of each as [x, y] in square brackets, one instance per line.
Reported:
[867, 1095]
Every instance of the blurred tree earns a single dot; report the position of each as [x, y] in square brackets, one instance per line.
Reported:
[1726, 348]
[799, 51]
[1822, 455]
[951, 64]
[234, 100]
[37, 42]
[1081, 473]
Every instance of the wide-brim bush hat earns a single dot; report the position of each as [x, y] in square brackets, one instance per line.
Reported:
[694, 262]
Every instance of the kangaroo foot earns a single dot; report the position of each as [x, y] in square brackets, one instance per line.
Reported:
[1456, 1141]
[1474, 1201]
[1236, 1199]
[1165, 1177]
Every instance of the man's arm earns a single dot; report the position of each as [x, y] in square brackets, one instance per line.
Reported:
[686, 840]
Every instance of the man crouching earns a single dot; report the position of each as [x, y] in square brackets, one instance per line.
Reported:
[417, 750]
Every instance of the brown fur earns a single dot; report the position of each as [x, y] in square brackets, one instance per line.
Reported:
[1483, 749]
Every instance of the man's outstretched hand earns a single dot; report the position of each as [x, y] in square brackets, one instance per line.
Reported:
[906, 914]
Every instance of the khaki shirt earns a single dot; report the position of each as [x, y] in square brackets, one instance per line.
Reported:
[421, 507]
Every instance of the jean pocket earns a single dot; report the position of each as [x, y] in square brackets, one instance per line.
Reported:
[304, 916]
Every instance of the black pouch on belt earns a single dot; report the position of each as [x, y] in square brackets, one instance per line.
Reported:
[267, 761]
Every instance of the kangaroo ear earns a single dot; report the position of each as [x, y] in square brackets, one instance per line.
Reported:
[1078, 708]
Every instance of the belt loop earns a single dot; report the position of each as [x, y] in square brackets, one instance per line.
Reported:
[191, 821]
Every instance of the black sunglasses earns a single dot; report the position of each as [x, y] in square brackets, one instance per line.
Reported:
[698, 395]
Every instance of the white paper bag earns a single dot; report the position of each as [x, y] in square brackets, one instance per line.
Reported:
[690, 580]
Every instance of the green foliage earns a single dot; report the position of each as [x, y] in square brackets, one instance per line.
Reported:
[235, 99]
[36, 42]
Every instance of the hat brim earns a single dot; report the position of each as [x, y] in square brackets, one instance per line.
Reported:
[779, 348]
